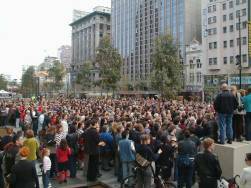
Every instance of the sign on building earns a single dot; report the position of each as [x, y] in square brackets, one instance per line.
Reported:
[246, 80]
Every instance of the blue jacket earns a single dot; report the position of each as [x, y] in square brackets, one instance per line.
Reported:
[247, 102]
[108, 139]
[125, 150]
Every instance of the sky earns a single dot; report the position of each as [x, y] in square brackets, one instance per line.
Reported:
[33, 29]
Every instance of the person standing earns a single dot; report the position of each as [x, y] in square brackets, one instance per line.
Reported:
[238, 117]
[92, 142]
[46, 167]
[225, 104]
[185, 160]
[247, 105]
[33, 145]
[24, 172]
[207, 166]
[126, 151]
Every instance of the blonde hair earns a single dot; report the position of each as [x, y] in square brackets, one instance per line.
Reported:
[207, 143]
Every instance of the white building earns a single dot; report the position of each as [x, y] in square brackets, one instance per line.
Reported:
[64, 55]
[194, 67]
[221, 24]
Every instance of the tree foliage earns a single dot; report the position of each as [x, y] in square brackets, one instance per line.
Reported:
[109, 63]
[84, 76]
[57, 73]
[166, 75]
[28, 82]
[3, 82]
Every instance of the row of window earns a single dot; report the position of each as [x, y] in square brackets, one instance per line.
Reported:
[224, 5]
[213, 31]
[231, 60]
[198, 75]
[213, 45]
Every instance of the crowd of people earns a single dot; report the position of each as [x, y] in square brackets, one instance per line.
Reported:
[105, 134]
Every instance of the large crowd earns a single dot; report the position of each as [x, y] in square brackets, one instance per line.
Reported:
[116, 135]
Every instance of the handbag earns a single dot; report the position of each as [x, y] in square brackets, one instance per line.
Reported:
[141, 161]
[222, 183]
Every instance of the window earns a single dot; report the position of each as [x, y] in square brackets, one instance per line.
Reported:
[244, 25]
[209, 9]
[244, 12]
[191, 77]
[244, 41]
[238, 13]
[244, 58]
[231, 28]
[231, 43]
[237, 26]
[231, 16]
[224, 18]
[231, 4]
[238, 41]
[210, 45]
[214, 8]
[231, 59]
[215, 60]
[224, 6]
[225, 44]
[224, 29]
[225, 60]
[215, 45]
[199, 77]
[101, 26]
[244, 1]
[237, 2]
[210, 61]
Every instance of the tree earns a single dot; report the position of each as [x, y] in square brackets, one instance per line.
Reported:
[84, 76]
[166, 75]
[57, 73]
[28, 82]
[109, 63]
[3, 82]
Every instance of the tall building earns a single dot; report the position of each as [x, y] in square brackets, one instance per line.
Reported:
[64, 55]
[136, 24]
[86, 35]
[225, 31]
[77, 14]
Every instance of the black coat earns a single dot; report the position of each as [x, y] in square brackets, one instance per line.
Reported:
[207, 165]
[24, 175]
[91, 140]
[225, 103]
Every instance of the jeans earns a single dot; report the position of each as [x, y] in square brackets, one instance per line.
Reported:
[127, 168]
[225, 124]
[144, 178]
[185, 176]
[46, 178]
[73, 166]
[248, 125]
[53, 171]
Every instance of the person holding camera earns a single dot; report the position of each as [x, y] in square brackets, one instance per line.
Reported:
[238, 116]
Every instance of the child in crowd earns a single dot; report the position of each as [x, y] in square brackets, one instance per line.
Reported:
[63, 152]
[46, 167]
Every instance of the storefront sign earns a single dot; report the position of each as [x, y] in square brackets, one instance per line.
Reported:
[246, 80]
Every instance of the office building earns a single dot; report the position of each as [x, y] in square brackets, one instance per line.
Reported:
[136, 24]
[64, 55]
[225, 29]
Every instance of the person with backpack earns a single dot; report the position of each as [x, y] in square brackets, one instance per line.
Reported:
[185, 160]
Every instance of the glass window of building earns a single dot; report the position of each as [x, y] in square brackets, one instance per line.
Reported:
[231, 28]
[238, 41]
[191, 77]
[244, 12]
[215, 45]
[210, 61]
[231, 16]
[244, 41]
[199, 76]
[231, 59]
[224, 29]
[237, 2]
[238, 13]
[215, 60]
[225, 44]
[244, 58]
[244, 25]
[231, 4]
[210, 45]
[231, 43]
[214, 8]
[224, 18]
[225, 60]
[224, 6]
[237, 26]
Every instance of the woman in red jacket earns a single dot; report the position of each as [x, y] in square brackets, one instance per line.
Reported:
[63, 152]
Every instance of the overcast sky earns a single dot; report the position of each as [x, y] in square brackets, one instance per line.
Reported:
[32, 29]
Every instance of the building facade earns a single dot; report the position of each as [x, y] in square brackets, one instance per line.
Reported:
[136, 24]
[225, 42]
[194, 67]
[64, 55]
[86, 35]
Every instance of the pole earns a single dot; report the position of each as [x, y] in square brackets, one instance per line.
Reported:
[240, 66]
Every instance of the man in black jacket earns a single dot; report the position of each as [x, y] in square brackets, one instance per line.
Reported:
[225, 104]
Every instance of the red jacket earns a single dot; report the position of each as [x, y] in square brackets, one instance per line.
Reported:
[63, 155]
